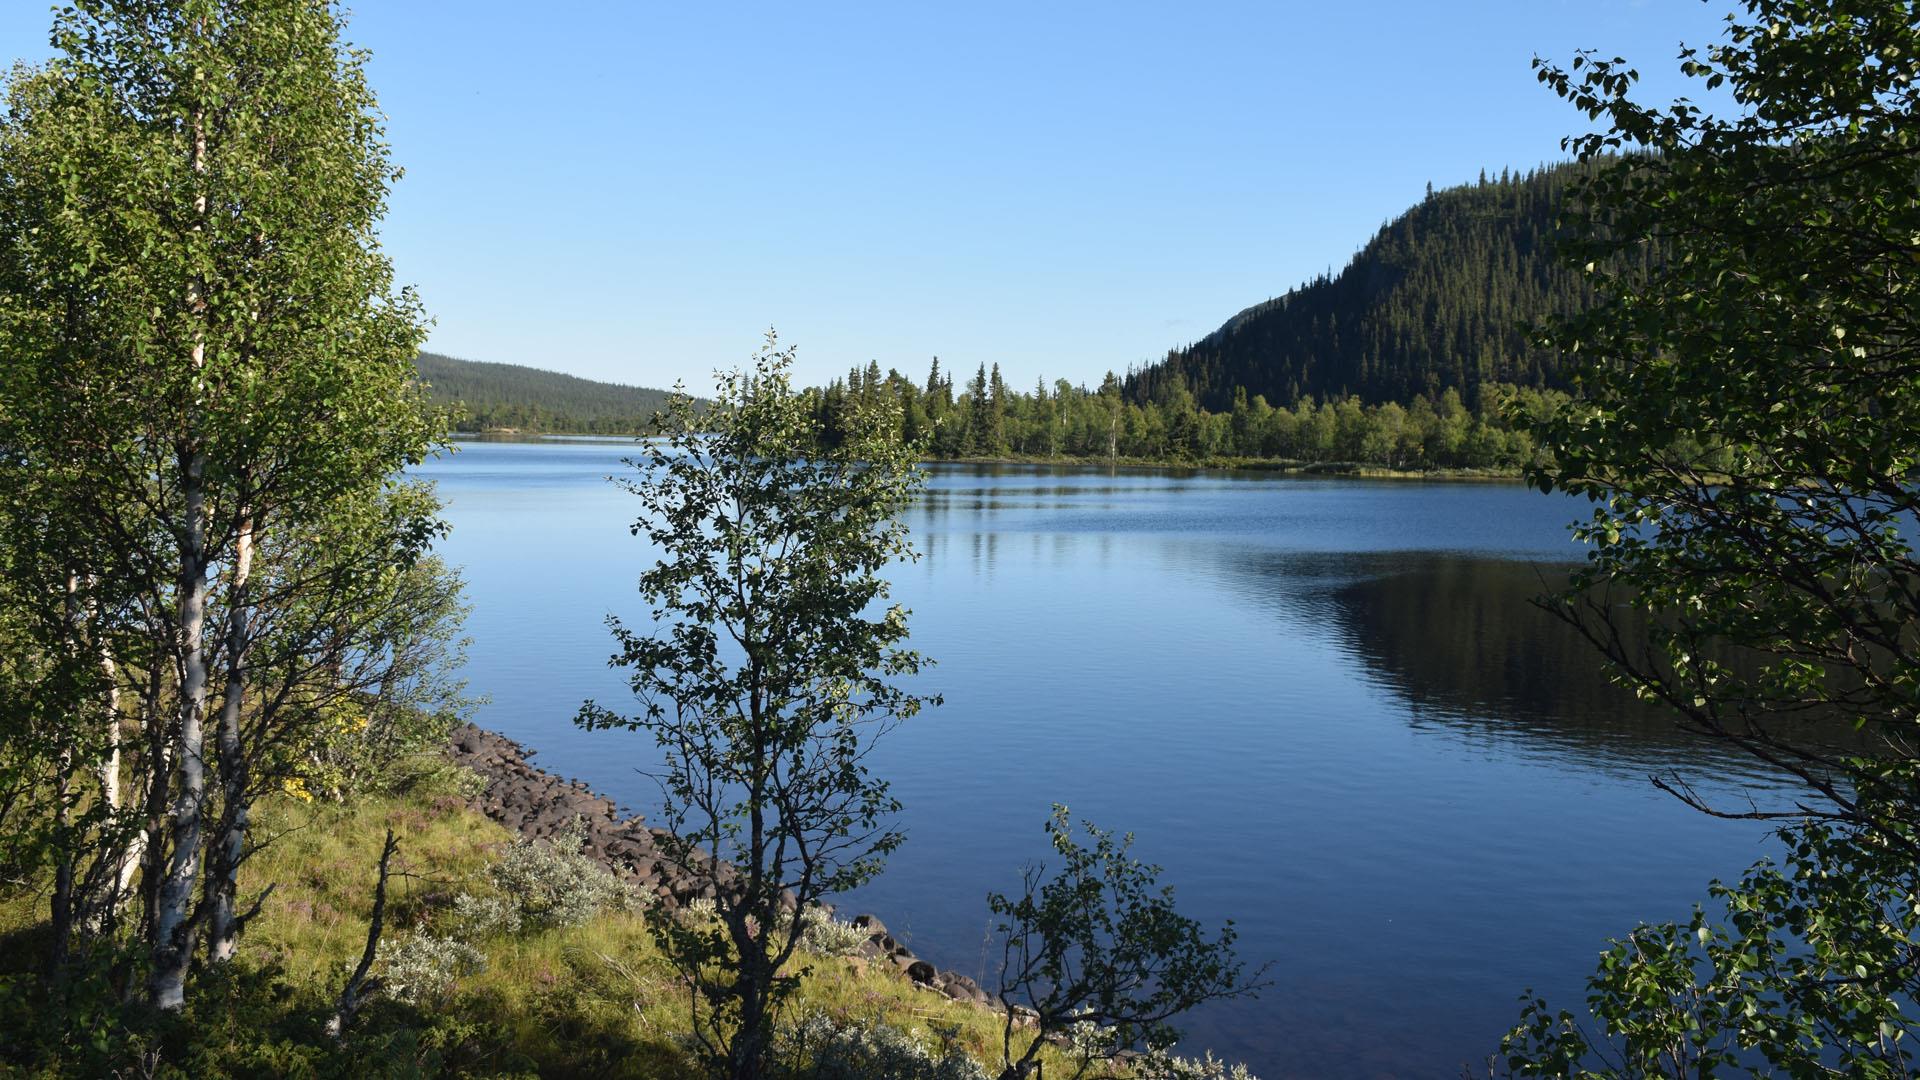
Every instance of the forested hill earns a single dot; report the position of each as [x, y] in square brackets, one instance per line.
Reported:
[494, 397]
[1435, 300]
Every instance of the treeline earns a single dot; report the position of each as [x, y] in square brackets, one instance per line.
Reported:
[498, 397]
[1412, 357]
[986, 418]
[1441, 298]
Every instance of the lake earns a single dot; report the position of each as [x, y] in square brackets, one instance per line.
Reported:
[1325, 706]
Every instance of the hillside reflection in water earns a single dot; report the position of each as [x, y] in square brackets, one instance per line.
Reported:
[1325, 706]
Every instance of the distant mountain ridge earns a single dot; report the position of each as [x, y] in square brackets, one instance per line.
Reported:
[1439, 299]
[500, 397]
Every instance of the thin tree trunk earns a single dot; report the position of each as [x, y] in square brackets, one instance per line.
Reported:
[173, 930]
[102, 908]
[110, 786]
[107, 770]
[358, 987]
[158, 772]
[173, 939]
[66, 851]
[224, 875]
[62, 907]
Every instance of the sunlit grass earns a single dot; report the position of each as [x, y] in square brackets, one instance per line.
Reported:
[594, 999]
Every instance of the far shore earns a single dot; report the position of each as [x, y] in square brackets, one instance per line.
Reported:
[1281, 466]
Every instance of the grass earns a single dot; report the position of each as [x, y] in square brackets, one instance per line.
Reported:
[591, 1000]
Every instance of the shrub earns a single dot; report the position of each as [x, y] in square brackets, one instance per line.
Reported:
[1098, 948]
[1088, 1042]
[869, 1050]
[432, 772]
[1160, 1065]
[474, 917]
[1803, 968]
[422, 968]
[821, 933]
[555, 883]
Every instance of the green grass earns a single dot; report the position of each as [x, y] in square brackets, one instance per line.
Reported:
[592, 1000]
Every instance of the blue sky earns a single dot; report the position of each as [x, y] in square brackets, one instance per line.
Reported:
[635, 191]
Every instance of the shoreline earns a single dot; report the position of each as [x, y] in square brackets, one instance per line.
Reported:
[538, 805]
[1352, 470]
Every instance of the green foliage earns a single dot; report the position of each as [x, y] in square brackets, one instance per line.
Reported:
[870, 1050]
[990, 420]
[824, 935]
[1748, 434]
[1414, 357]
[1161, 1065]
[422, 969]
[476, 918]
[1440, 299]
[244, 1021]
[596, 999]
[384, 629]
[1751, 412]
[429, 770]
[1098, 947]
[553, 882]
[494, 397]
[766, 671]
[209, 386]
[1811, 968]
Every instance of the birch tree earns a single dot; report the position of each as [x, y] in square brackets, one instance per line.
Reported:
[1749, 438]
[769, 668]
[217, 170]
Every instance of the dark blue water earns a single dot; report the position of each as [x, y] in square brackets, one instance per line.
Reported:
[1324, 706]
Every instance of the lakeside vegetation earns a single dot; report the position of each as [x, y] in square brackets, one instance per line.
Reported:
[592, 996]
[987, 420]
[221, 601]
[230, 843]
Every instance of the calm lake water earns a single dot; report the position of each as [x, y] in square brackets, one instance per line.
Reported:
[1324, 706]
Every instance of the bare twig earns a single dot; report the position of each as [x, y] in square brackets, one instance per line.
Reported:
[359, 988]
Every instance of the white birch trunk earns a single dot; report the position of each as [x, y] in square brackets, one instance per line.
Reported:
[173, 941]
[224, 885]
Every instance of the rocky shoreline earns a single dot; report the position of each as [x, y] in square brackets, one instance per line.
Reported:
[540, 805]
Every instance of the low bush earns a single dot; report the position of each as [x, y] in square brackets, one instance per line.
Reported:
[422, 969]
[822, 934]
[869, 1050]
[555, 883]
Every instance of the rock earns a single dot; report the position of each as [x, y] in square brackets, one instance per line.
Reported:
[538, 804]
[960, 987]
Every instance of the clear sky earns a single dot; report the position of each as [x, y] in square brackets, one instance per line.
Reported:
[635, 191]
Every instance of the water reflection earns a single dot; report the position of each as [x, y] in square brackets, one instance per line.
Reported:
[1324, 705]
[1461, 641]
